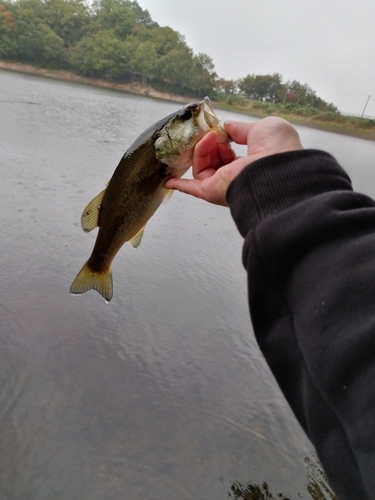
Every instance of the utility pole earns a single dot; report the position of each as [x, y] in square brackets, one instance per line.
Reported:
[363, 112]
[286, 94]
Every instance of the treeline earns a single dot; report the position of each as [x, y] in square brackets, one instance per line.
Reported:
[117, 40]
[272, 89]
[111, 39]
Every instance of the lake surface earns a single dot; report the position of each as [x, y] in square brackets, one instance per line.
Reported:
[163, 393]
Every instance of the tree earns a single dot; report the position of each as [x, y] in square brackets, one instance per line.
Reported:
[203, 76]
[176, 67]
[304, 95]
[7, 24]
[114, 15]
[166, 39]
[247, 86]
[226, 86]
[34, 40]
[142, 16]
[100, 54]
[145, 60]
[122, 16]
[69, 19]
[262, 87]
[299, 93]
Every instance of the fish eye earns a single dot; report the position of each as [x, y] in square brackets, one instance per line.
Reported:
[187, 114]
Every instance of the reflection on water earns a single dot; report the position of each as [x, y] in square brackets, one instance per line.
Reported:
[317, 484]
[317, 487]
[163, 393]
[253, 492]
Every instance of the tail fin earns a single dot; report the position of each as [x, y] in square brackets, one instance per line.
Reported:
[89, 280]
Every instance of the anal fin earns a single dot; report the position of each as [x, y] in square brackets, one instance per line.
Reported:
[136, 240]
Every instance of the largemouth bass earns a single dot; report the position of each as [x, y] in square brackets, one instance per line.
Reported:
[136, 189]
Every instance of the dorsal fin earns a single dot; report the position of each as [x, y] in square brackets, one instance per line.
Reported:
[90, 215]
[136, 240]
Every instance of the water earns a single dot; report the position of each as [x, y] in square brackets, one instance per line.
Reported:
[162, 394]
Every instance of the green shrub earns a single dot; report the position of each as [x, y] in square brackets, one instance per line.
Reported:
[368, 123]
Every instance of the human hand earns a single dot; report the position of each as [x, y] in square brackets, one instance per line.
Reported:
[215, 164]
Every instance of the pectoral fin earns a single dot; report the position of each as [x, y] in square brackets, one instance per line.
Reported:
[167, 195]
[90, 215]
[136, 240]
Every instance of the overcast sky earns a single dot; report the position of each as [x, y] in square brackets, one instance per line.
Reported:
[328, 44]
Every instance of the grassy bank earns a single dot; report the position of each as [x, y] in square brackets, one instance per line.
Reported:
[299, 115]
[302, 115]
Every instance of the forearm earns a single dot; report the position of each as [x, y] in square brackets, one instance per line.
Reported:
[309, 247]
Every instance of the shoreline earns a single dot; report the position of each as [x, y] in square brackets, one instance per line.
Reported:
[148, 91]
[67, 76]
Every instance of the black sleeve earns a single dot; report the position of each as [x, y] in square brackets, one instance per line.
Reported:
[309, 252]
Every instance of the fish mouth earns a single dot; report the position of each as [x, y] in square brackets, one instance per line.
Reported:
[206, 111]
[209, 121]
[207, 108]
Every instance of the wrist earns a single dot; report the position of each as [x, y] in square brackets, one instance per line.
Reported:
[275, 183]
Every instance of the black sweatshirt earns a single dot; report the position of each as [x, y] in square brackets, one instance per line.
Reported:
[309, 252]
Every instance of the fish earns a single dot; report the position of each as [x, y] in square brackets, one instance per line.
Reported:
[136, 189]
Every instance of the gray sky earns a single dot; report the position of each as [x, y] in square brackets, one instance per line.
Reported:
[328, 44]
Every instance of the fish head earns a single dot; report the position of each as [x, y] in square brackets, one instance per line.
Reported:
[175, 140]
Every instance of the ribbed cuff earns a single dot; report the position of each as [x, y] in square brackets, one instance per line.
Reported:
[277, 182]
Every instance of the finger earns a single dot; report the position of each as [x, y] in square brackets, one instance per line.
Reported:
[211, 154]
[187, 186]
[212, 190]
[205, 145]
[205, 154]
[238, 131]
[205, 174]
[225, 153]
[221, 155]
